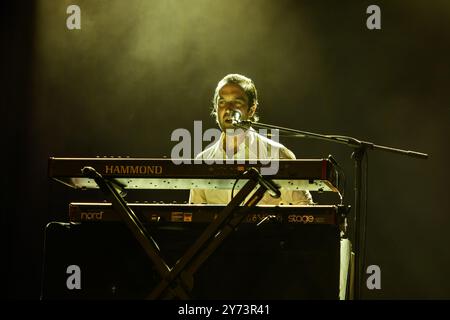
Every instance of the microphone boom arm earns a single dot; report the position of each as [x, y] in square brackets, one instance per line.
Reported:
[350, 141]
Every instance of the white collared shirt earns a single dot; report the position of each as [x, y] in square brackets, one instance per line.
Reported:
[255, 146]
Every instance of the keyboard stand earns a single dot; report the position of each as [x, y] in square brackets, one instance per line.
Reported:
[177, 282]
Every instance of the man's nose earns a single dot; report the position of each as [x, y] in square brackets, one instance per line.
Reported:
[230, 106]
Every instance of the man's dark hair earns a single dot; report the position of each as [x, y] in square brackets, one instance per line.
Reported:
[246, 84]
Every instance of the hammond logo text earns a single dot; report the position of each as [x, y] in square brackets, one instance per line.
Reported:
[130, 170]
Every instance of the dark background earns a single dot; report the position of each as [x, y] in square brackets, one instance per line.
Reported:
[137, 70]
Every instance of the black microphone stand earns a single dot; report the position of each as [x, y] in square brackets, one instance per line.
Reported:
[359, 151]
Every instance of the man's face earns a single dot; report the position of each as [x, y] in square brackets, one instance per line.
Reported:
[232, 98]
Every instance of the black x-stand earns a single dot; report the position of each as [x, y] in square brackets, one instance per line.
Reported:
[177, 282]
[359, 152]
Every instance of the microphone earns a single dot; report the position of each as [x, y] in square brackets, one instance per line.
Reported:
[237, 122]
[235, 117]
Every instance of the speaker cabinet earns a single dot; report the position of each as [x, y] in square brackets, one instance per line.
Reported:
[269, 261]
